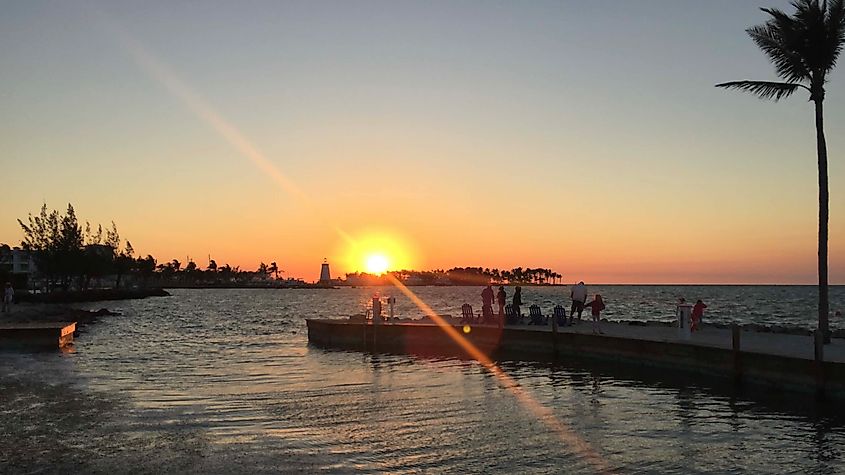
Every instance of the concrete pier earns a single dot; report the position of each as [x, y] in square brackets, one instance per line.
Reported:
[36, 335]
[779, 360]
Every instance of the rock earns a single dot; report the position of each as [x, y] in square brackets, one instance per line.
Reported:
[104, 311]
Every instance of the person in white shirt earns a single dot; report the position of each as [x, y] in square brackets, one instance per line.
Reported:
[8, 296]
[579, 297]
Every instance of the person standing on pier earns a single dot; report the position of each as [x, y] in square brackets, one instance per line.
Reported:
[697, 314]
[578, 296]
[516, 302]
[487, 301]
[8, 296]
[501, 299]
[597, 305]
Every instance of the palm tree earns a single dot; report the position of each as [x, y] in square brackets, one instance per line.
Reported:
[226, 273]
[804, 48]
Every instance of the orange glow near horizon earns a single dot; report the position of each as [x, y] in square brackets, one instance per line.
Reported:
[376, 252]
[266, 160]
[377, 264]
[649, 240]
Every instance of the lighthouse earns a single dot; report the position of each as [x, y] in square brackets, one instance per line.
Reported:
[325, 274]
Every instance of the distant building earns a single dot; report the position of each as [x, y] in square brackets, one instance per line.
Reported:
[325, 274]
[18, 261]
[414, 280]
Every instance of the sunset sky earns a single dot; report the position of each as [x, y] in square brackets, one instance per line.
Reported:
[582, 136]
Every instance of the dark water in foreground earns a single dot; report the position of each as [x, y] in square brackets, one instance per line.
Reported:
[224, 381]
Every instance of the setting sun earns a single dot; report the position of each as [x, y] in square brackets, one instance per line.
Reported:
[376, 251]
[377, 264]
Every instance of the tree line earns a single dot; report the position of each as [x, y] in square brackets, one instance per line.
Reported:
[214, 274]
[68, 255]
[72, 256]
[517, 275]
[462, 276]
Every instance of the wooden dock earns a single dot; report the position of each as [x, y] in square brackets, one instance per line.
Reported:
[778, 360]
[36, 335]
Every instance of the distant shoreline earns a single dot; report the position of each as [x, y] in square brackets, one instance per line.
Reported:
[341, 286]
[250, 286]
[94, 295]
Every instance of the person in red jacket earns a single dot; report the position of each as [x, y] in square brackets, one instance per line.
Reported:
[597, 305]
[697, 313]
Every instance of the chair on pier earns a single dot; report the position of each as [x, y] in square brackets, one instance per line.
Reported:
[560, 315]
[466, 314]
[511, 318]
[487, 314]
[536, 317]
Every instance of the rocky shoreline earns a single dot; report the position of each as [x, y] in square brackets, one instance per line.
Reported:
[96, 295]
[41, 312]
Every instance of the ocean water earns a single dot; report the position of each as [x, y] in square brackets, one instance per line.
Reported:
[224, 381]
[794, 306]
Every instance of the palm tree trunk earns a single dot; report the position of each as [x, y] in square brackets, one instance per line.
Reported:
[824, 213]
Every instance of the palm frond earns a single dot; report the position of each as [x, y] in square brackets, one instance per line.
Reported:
[835, 26]
[813, 42]
[803, 46]
[771, 39]
[764, 89]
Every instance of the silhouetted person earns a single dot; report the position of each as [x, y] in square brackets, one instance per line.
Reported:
[501, 299]
[597, 305]
[697, 315]
[487, 296]
[487, 302]
[376, 309]
[516, 302]
[578, 296]
[8, 296]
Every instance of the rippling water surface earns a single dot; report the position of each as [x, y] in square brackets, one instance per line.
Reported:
[225, 381]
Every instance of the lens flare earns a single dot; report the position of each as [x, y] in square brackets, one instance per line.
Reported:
[157, 70]
[541, 412]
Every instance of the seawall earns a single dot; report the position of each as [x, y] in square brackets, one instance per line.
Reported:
[781, 361]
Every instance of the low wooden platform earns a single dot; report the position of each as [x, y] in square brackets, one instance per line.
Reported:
[782, 361]
[36, 335]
